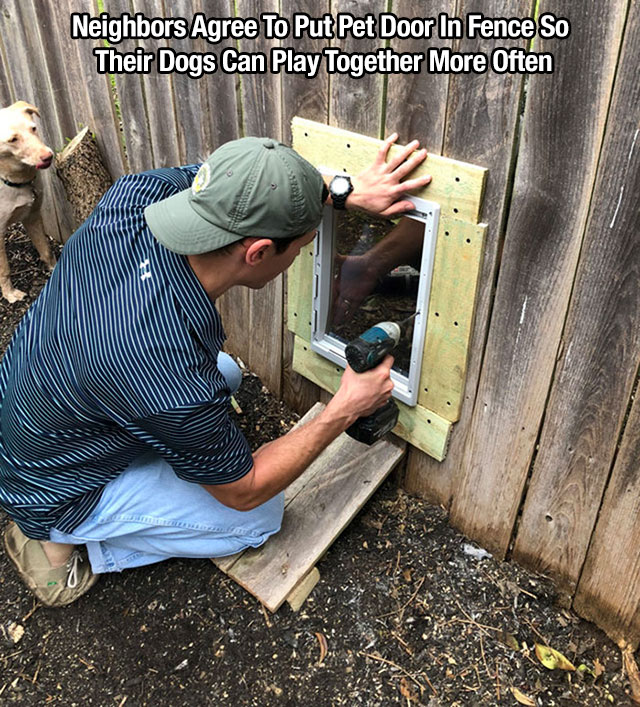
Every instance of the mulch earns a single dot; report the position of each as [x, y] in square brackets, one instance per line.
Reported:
[407, 612]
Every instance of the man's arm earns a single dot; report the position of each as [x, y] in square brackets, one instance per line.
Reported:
[278, 463]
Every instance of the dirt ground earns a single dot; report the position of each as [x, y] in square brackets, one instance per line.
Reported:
[406, 612]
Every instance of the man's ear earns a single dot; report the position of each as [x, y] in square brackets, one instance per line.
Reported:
[256, 250]
[25, 107]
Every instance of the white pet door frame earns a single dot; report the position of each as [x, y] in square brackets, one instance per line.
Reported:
[323, 343]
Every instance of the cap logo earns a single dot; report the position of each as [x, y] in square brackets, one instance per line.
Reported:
[202, 179]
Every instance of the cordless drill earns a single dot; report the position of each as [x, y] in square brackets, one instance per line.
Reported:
[363, 354]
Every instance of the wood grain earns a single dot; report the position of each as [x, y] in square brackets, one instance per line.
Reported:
[345, 476]
[609, 588]
[308, 98]
[417, 103]
[487, 107]
[356, 104]
[561, 140]
[601, 350]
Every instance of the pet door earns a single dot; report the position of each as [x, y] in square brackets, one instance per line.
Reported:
[369, 270]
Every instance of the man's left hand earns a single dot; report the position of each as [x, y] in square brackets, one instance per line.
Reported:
[379, 189]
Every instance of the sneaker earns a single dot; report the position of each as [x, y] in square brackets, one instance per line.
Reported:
[53, 586]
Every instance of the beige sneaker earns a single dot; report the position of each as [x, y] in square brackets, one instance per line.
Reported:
[53, 586]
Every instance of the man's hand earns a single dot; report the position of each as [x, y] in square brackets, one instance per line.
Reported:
[379, 190]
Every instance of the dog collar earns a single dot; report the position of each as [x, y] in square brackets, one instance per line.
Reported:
[17, 184]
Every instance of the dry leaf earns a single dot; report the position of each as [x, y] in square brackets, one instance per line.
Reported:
[522, 698]
[323, 646]
[552, 659]
[598, 668]
[509, 640]
[407, 575]
[406, 691]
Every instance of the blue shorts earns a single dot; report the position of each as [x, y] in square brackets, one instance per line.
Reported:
[147, 514]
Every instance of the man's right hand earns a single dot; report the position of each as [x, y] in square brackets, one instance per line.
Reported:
[361, 394]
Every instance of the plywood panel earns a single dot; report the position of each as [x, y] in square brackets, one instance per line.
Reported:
[561, 140]
[422, 428]
[601, 350]
[482, 127]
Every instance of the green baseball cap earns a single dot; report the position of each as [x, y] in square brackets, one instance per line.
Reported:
[252, 187]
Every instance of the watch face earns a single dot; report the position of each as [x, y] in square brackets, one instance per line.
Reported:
[340, 185]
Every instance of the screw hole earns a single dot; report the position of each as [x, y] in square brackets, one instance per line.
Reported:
[426, 390]
[455, 323]
[306, 134]
[455, 211]
[305, 348]
[446, 233]
[468, 240]
[457, 179]
[429, 422]
[548, 518]
[295, 314]
[437, 314]
[448, 403]
[348, 144]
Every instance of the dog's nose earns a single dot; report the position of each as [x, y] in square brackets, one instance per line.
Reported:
[46, 158]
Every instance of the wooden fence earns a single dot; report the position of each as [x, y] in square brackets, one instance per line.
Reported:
[543, 465]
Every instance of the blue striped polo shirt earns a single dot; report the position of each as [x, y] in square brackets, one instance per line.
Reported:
[116, 356]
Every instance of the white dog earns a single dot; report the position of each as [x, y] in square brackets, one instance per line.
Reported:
[22, 153]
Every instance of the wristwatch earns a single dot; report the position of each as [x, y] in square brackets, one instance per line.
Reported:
[340, 187]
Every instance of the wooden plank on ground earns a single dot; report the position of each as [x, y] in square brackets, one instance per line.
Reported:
[417, 103]
[609, 589]
[601, 344]
[358, 103]
[456, 186]
[310, 99]
[316, 517]
[490, 104]
[422, 428]
[299, 594]
[561, 141]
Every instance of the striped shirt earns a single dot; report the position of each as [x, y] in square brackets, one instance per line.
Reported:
[116, 356]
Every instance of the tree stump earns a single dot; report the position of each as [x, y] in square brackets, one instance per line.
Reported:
[83, 174]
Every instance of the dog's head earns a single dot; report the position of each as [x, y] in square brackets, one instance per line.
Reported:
[20, 146]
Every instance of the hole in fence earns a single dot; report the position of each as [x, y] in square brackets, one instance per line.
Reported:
[455, 211]
[306, 134]
[455, 323]
[446, 233]
[348, 144]
[448, 403]
[426, 390]
[457, 179]
[295, 314]
[437, 314]
[429, 421]
[305, 348]
[548, 518]
[468, 240]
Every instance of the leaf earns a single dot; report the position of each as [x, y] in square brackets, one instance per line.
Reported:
[323, 646]
[16, 631]
[552, 659]
[598, 668]
[509, 640]
[631, 668]
[405, 690]
[522, 698]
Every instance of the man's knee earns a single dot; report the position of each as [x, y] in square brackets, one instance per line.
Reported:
[230, 370]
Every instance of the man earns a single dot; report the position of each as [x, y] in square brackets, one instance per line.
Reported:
[114, 422]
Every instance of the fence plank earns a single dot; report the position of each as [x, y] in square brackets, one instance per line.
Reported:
[309, 99]
[609, 588]
[356, 104]
[135, 123]
[417, 103]
[589, 398]
[561, 141]
[491, 102]
[88, 92]
[262, 114]
[6, 88]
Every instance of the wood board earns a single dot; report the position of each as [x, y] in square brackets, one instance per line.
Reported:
[552, 194]
[318, 506]
[457, 266]
[488, 106]
[597, 370]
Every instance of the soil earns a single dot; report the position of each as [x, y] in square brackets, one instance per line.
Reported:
[410, 613]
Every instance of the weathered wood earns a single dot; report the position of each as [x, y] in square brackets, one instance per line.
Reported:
[609, 589]
[158, 91]
[309, 99]
[456, 186]
[6, 88]
[357, 104]
[485, 106]
[344, 479]
[297, 597]
[135, 122]
[83, 173]
[416, 104]
[561, 140]
[601, 350]
[422, 428]
[90, 93]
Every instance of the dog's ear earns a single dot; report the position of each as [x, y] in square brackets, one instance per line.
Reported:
[25, 108]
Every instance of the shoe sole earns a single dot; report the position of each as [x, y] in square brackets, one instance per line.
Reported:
[28, 580]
